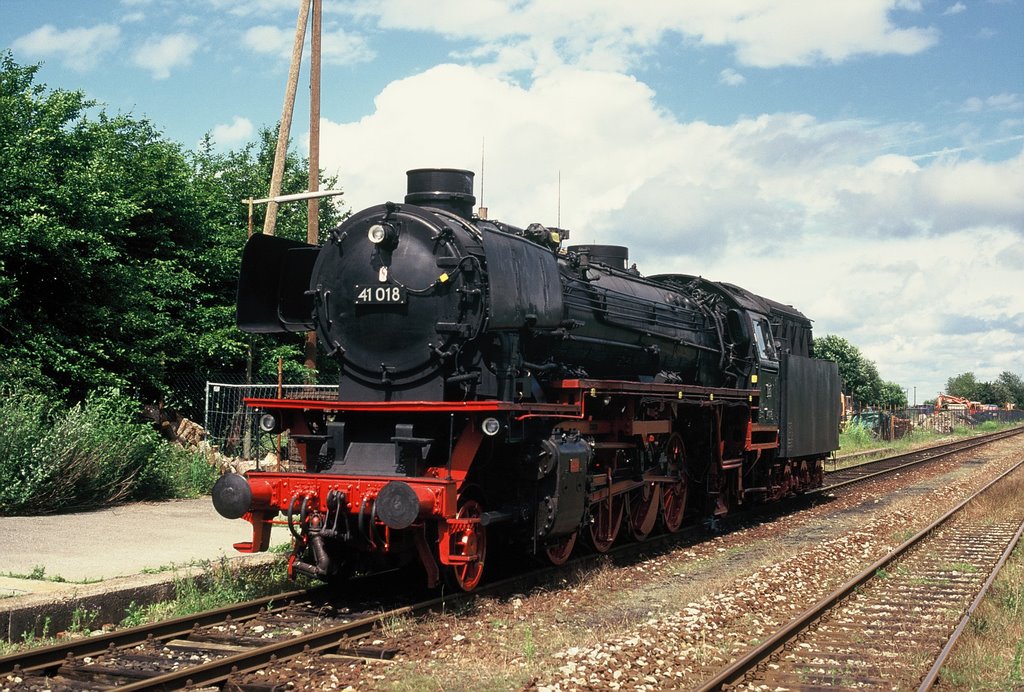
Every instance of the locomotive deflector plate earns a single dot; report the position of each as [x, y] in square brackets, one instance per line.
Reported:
[526, 287]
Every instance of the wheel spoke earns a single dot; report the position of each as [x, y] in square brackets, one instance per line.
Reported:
[643, 505]
[673, 501]
[469, 543]
[558, 552]
[607, 518]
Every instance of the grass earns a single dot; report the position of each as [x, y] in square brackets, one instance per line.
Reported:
[990, 654]
[38, 573]
[857, 439]
[217, 584]
[83, 621]
[961, 567]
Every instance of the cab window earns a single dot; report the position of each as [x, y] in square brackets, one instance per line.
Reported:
[765, 342]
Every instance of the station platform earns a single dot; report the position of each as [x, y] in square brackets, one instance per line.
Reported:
[65, 552]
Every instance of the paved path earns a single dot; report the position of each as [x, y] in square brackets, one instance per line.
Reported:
[121, 541]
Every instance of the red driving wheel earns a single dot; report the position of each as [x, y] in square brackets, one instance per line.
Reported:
[469, 543]
[673, 498]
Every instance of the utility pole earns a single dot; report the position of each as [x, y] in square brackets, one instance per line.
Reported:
[286, 118]
[313, 207]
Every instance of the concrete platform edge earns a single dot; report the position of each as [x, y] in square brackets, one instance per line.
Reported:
[28, 615]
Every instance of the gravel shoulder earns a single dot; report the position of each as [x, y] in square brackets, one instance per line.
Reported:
[673, 620]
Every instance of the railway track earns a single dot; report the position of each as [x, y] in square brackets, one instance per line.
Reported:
[893, 624]
[204, 649]
[860, 472]
[237, 641]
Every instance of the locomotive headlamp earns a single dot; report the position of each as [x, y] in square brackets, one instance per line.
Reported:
[491, 426]
[383, 234]
[268, 423]
[376, 234]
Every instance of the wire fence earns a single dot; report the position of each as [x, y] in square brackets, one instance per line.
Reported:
[892, 424]
[234, 427]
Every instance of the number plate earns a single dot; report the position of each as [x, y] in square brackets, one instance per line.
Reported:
[381, 294]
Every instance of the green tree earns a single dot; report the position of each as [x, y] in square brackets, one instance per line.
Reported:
[1012, 387]
[222, 182]
[860, 376]
[119, 250]
[964, 385]
[94, 216]
[892, 395]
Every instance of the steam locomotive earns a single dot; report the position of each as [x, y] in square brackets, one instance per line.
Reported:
[502, 392]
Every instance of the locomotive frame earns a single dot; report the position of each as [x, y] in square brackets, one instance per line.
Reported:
[533, 396]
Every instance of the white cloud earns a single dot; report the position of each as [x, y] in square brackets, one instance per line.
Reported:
[612, 35]
[255, 8]
[269, 39]
[79, 49]
[161, 54]
[998, 102]
[549, 127]
[731, 77]
[772, 34]
[876, 247]
[338, 47]
[955, 8]
[239, 131]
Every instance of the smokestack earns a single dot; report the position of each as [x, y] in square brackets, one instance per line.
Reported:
[450, 189]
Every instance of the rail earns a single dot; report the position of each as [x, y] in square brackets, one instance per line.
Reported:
[861, 472]
[748, 665]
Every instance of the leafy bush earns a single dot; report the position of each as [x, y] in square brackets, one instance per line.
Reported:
[95, 453]
[856, 436]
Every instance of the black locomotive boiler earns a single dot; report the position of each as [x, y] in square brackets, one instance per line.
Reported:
[495, 384]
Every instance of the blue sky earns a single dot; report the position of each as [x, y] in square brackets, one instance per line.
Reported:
[859, 159]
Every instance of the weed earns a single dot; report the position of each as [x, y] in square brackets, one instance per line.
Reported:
[29, 639]
[962, 567]
[903, 535]
[218, 584]
[857, 436]
[529, 650]
[134, 615]
[82, 620]
[393, 625]
[990, 654]
[38, 573]
[1017, 669]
